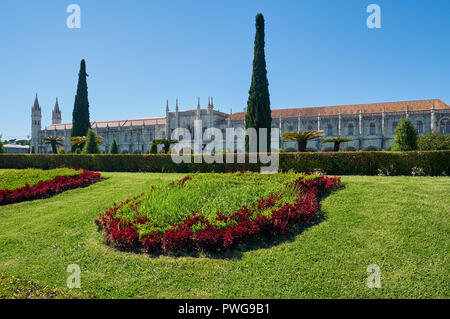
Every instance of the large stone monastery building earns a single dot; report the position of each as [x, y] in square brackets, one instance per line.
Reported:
[371, 126]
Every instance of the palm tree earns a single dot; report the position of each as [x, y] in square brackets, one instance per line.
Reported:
[54, 141]
[81, 140]
[337, 142]
[302, 138]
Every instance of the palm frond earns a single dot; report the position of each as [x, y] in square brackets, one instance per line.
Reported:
[302, 136]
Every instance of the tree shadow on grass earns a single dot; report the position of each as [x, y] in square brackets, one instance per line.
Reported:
[237, 253]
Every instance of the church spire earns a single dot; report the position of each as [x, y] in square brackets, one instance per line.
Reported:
[56, 114]
[36, 103]
[57, 106]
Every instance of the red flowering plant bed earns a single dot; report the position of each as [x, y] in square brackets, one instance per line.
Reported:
[44, 183]
[214, 212]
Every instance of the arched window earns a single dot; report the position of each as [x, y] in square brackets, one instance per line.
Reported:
[125, 138]
[394, 126]
[372, 129]
[420, 127]
[445, 126]
[350, 129]
[330, 130]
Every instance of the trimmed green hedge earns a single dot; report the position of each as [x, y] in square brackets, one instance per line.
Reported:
[342, 163]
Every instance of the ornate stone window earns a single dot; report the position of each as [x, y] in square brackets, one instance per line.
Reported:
[330, 130]
[445, 126]
[372, 129]
[350, 129]
[420, 127]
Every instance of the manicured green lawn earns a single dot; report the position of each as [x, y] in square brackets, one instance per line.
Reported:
[399, 223]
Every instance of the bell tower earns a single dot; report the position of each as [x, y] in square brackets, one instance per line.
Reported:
[36, 118]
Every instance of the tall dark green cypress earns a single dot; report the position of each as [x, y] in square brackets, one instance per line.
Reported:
[80, 116]
[258, 104]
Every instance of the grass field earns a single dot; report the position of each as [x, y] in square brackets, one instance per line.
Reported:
[399, 223]
[12, 179]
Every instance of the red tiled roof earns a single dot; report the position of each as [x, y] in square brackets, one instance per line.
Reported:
[420, 105]
[121, 123]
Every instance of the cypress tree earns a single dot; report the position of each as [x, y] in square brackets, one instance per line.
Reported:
[80, 116]
[258, 104]
[406, 136]
[91, 146]
[2, 148]
[113, 149]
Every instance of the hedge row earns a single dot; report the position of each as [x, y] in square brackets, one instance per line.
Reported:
[343, 163]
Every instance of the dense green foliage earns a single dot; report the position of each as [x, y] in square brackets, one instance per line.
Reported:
[114, 149]
[2, 148]
[405, 138]
[434, 142]
[342, 163]
[62, 151]
[399, 223]
[258, 105]
[13, 179]
[80, 116]
[91, 145]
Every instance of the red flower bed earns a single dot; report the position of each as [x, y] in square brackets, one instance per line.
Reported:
[48, 188]
[244, 225]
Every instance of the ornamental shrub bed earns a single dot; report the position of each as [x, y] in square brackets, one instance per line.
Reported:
[433, 163]
[215, 212]
[49, 188]
[13, 179]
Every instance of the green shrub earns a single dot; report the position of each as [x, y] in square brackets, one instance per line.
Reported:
[345, 163]
[434, 142]
[62, 151]
[405, 138]
[91, 146]
[114, 149]
[2, 148]
[154, 148]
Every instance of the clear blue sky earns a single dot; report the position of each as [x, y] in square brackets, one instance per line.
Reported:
[140, 53]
